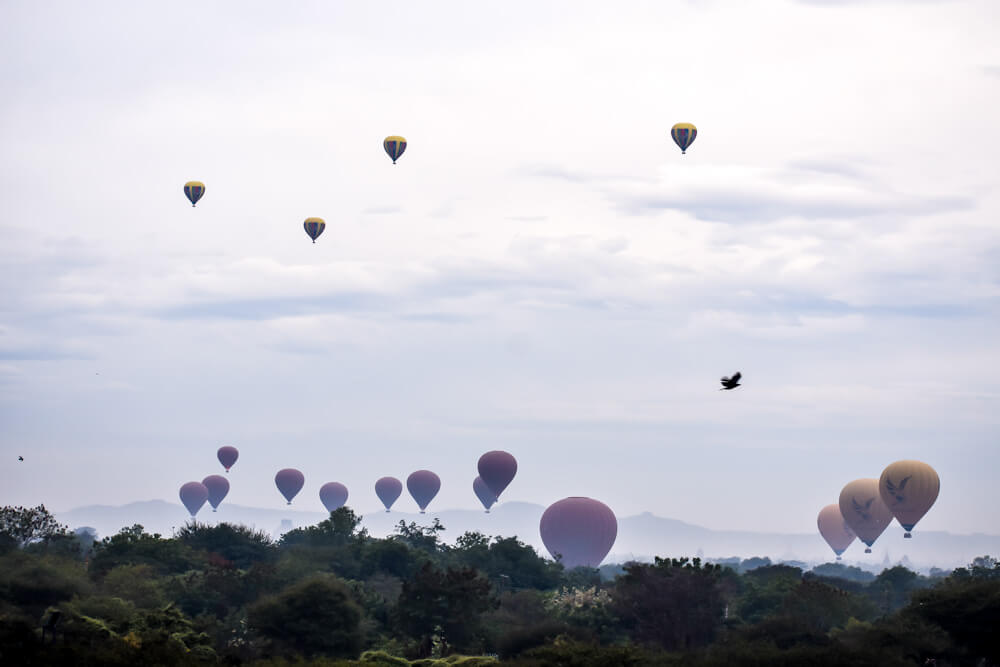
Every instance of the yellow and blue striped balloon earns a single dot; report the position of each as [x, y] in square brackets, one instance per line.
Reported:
[394, 146]
[314, 227]
[194, 191]
[683, 134]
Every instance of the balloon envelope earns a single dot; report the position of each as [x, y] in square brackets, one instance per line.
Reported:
[289, 482]
[834, 529]
[314, 227]
[388, 490]
[333, 495]
[483, 492]
[394, 146]
[227, 456]
[909, 488]
[218, 487]
[497, 469]
[683, 135]
[578, 531]
[194, 191]
[193, 495]
[423, 485]
[864, 511]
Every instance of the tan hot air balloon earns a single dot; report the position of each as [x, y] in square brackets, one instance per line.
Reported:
[834, 529]
[864, 511]
[909, 488]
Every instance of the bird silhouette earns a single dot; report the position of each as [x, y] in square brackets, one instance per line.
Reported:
[864, 511]
[20, 458]
[897, 491]
[731, 382]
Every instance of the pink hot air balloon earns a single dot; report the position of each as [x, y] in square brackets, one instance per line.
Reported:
[333, 495]
[193, 495]
[289, 481]
[483, 492]
[423, 485]
[834, 529]
[578, 531]
[218, 487]
[388, 490]
[497, 469]
[227, 456]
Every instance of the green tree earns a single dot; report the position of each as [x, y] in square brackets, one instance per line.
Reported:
[676, 603]
[134, 546]
[24, 525]
[448, 603]
[235, 544]
[314, 616]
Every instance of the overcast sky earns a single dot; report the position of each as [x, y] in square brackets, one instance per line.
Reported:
[542, 272]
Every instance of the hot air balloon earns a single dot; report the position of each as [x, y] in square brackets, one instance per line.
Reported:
[193, 495]
[194, 191]
[423, 485]
[394, 146]
[683, 134]
[909, 488]
[388, 489]
[314, 227]
[834, 529]
[483, 492]
[227, 456]
[864, 511]
[578, 531]
[289, 481]
[333, 495]
[497, 469]
[218, 487]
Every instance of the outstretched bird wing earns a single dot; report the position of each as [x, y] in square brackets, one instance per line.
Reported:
[736, 376]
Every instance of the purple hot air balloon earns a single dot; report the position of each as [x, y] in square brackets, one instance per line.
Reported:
[578, 531]
[289, 482]
[497, 469]
[483, 492]
[218, 487]
[227, 456]
[193, 495]
[333, 495]
[388, 489]
[423, 485]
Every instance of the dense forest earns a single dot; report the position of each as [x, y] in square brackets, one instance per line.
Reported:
[330, 594]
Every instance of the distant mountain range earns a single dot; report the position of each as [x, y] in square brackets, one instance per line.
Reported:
[639, 537]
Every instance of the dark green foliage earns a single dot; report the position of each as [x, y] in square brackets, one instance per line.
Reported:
[34, 582]
[447, 603]
[675, 603]
[228, 595]
[315, 616]
[506, 561]
[226, 544]
[134, 546]
[841, 571]
[968, 609]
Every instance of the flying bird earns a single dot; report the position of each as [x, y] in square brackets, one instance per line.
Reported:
[20, 458]
[731, 382]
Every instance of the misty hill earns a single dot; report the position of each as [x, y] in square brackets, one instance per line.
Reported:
[639, 537]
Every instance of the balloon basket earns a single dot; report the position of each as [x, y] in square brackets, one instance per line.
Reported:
[387, 511]
[868, 550]
[487, 511]
[908, 535]
[423, 512]
[214, 510]
[838, 557]
[289, 502]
